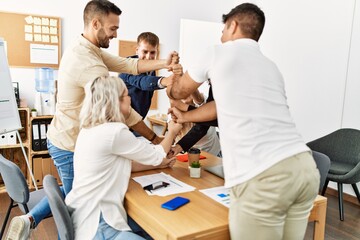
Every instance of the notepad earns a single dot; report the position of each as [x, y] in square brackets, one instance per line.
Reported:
[184, 157]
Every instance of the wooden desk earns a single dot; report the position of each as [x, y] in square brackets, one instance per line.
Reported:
[318, 216]
[158, 120]
[202, 218]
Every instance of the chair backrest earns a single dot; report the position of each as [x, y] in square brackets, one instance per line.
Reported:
[58, 208]
[14, 180]
[343, 145]
[323, 164]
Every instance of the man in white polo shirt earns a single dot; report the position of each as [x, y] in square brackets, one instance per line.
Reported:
[270, 170]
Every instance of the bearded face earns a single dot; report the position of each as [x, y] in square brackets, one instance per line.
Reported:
[107, 30]
[103, 39]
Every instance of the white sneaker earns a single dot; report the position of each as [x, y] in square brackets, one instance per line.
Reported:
[19, 228]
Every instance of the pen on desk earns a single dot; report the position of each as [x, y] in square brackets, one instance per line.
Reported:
[175, 183]
[156, 185]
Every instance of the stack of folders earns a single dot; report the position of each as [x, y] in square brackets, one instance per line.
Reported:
[39, 129]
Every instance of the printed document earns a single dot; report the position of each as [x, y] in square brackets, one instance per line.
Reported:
[175, 186]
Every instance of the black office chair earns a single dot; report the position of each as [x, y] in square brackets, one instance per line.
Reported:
[17, 189]
[58, 208]
[343, 149]
[323, 164]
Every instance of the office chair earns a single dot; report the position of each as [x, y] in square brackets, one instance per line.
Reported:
[17, 189]
[323, 164]
[58, 208]
[343, 149]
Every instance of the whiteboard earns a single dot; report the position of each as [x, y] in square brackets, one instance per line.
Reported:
[9, 114]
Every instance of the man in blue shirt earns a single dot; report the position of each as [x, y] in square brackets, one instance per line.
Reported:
[141, 87]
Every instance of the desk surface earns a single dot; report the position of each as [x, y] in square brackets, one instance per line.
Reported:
[202, 218]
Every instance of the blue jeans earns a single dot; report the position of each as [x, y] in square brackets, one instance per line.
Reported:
[42, 209]
[106, 232]
[63, 161]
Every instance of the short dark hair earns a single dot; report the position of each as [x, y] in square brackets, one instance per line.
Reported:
[148, 37]
[251, 19]
[100, 8]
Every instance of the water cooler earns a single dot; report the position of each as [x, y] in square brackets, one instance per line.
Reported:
[45, 91]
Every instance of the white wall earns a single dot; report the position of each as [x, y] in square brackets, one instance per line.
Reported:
[310, 47]
[351, 114]
[351, 110]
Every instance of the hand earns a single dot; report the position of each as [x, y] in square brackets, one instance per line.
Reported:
[177, 115]
[175, 150]
[177, 72]
[169, 87]
[172, 60]
[167, 162]
[177, 69]
[174, 127]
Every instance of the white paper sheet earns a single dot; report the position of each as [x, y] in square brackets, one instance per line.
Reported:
[29, 20]
[219, 194]
[175, 186]
[53, 22]
[41, 53]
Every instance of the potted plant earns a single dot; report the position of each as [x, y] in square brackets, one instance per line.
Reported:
[195, 169]
[33, 112]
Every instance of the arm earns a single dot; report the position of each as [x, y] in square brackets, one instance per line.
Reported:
[143, 82]
[166, 144]
[198, 98]
[197, 132]
[173, 130]
[179, 104]
[167, 162]
[204, 113]
[119, 64]
[146, 132]
[182, 87]
[125, 144]
[193, 136]
[151, 65]
[135, 122]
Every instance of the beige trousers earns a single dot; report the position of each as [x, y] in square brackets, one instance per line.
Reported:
[275, 204]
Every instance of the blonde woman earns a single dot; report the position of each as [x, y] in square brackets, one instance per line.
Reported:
[103, 158]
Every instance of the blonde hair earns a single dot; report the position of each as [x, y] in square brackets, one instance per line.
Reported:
[101, 103]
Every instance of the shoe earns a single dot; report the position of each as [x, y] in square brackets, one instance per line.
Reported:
[19, 228]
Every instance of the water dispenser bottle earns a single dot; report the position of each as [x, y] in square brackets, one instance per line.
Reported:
[44, 80]
[44, 85]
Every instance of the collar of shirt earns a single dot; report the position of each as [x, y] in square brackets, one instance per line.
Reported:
[83, 41]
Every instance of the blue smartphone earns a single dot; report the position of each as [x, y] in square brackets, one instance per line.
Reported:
[175, 203]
